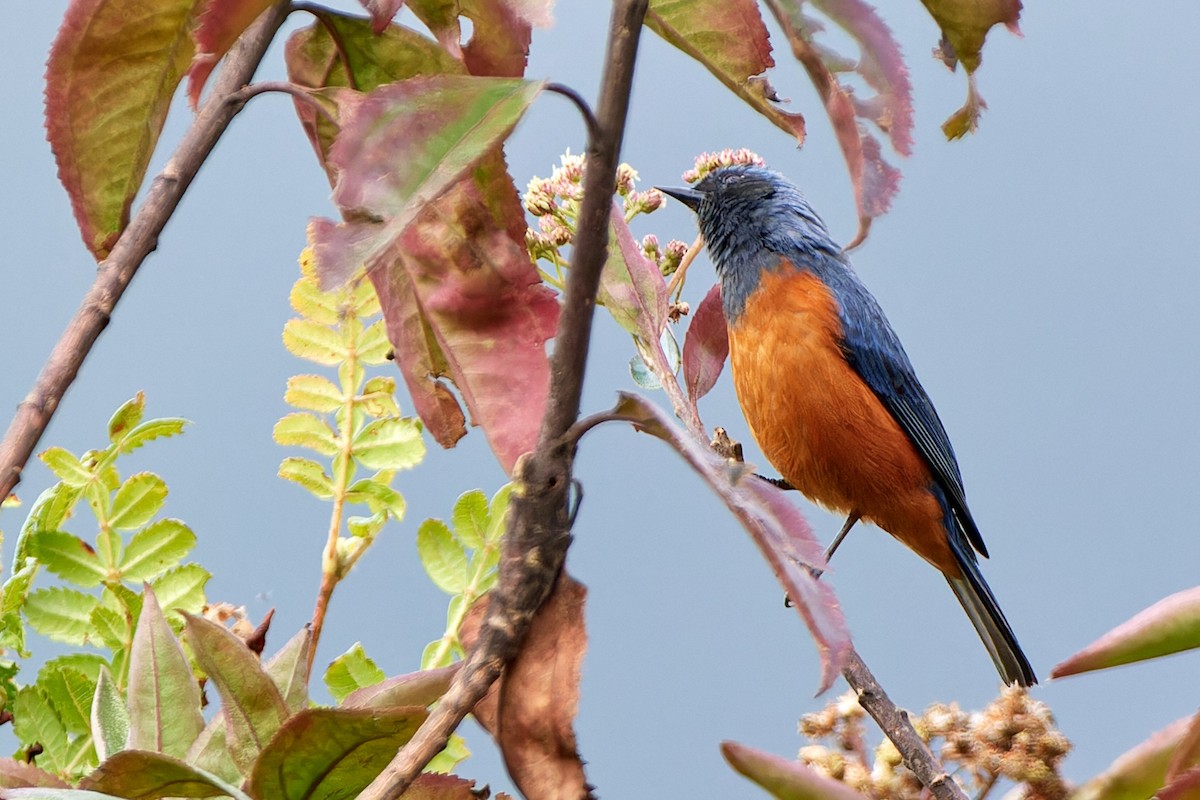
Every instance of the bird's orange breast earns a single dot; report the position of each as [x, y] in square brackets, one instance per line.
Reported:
[819, 424]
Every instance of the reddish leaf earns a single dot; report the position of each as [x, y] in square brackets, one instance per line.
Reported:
[706, 346]
[1187, 754]
[965, 25]
[1138, 773]
[19, 774]
[142, 774]
[632, 288]
[414, 689]
[370, 60]
[781, 533]
[500, 31]
[1168, 626]
[882, 67]
[729, 38]
[462, 300]
[1185, 787]
[219, 24]
[112, 71]
[783, 778]
[531, 710]
[434, 786]
[382, 12]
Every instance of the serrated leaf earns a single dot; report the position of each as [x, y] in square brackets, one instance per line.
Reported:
[377, 496]
[68, 557]
[109, 718]
[109, 628]
[314, 342]
[313, 393]
[89, 664]
[443, 556]
[12, 600]
[155, 549]
[182, 589]
[351, 671]
[140, 497]
[219, 24]
[70, 693]
[391, 443]
[332, 752]
[498, 514]
[164, 697]
[34, 721]
[146, 775]
[289, 670]
[253, 707]
[66, 466]
[127, 417]
[301, 429]
[373, 344]
[60, 613]
[149, 430]
[308, 474]
[51, 509]
[470, 518]
[308, 299]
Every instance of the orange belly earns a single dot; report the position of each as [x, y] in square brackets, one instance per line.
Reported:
[820, 425]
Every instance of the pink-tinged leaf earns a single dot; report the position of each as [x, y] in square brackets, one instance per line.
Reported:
[361, 60]
[164, 696]
[706, 346]
[538, 13]
[729, 39]
[1184, 787]
[403, 145]
[632, 288]
[19, 774]
[415, 689]
[1168, 626]
[783, 778]
[382, 12]
[113, 69]
[142, 774]
[1186, 758]
[482, 315]
[500, 32]
[1138, 773]
[781, 533]
[882, 67]
[219, 24]
[965, 25]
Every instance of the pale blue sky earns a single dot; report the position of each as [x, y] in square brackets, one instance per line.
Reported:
[1041, 274]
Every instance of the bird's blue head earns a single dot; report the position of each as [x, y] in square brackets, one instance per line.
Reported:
[749, 216]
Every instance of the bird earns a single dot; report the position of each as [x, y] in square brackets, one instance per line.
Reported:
[828, 391]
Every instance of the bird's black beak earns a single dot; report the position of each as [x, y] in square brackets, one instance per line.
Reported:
[689, 197]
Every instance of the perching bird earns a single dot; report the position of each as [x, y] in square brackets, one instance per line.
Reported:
[828, 391]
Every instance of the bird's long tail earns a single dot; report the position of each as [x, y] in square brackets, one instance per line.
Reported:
[979, 603]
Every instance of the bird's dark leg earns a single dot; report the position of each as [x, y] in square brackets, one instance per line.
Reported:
[837, 540]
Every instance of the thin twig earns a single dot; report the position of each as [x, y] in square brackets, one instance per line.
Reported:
[138, 240]
[581, 104]
[539, 523]
[243, 95]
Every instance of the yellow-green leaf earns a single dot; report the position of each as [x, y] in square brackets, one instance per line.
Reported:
[301, 429]
[313, 341]
[139, 498]
[391, 443]
[313, 393]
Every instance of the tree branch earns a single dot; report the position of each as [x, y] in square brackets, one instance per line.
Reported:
[137, 241]
[538, 535]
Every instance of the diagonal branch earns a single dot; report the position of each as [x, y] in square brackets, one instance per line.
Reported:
[539, 526]
[136, 243]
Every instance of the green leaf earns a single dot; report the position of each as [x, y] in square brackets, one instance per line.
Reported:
[60, 613]
[332, 752]
[89, 664]
[66, 467]
[443, 556]
[35, 722]
[392, 443]
[210, 753]
[49, 512]
[415, 689]
[254, 709]
[139, 498]
[378, 397]
[301, 429]
[289, 670]
[164, 697]
[109, 719]
[454, 753]
[784, 778]
[109, 627]
[470, 518]
[351, 671]
[155, 549]
[373, 344]
[319, 307]
[378, 496]
[68, 557]
[308, 474]
[12, 600]
[127, 417]
[498, 513]
[70, 693]
[313, 393]
[182, 588]
[150, 430]
[314, 342]
[140, 774]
